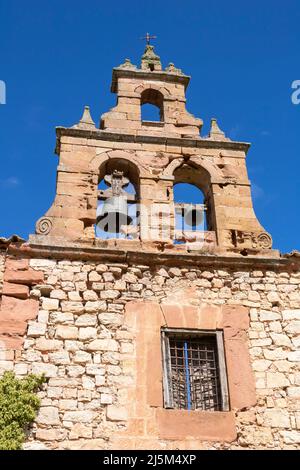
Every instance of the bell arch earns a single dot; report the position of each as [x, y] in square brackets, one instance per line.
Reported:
[118, 198]
[198, 213]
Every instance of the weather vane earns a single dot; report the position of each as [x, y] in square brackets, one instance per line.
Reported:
[148, 38]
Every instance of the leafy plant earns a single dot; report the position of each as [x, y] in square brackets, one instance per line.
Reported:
[18, 406]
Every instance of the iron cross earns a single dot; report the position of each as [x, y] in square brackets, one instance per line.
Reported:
[148, 38]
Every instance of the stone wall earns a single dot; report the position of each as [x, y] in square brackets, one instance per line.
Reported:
[84, 344]
[2, 266]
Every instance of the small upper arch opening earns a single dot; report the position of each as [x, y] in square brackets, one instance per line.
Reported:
[152, 105]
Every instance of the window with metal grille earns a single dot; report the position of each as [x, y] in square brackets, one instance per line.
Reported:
[194, 370]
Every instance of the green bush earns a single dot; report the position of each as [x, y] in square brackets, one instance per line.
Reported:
[18, 407]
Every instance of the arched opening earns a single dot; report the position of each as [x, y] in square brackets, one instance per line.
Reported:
[193, 211]
[152, 109]
[150, 112]
[117, 210]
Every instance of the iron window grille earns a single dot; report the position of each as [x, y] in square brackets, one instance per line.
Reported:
[194, 370]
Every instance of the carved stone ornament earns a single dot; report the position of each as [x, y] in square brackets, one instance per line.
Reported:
[261, 241]
[43, 226]
[264, 240]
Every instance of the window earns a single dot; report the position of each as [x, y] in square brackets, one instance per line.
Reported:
[194, 370]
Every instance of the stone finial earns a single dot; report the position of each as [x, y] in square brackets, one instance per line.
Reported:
[172, 69]
[86, 122]
[150, 61]
[215, 132]
[127, 65]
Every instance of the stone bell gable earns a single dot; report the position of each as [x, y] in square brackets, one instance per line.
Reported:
[159, 324]
[155, 156]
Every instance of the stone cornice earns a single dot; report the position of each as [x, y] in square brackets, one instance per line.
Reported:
[151, 258]
[160, 75]
[147, 139]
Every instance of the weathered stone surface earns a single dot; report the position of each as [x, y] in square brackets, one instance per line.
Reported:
[79, 430]
[15, 290]
[276, 380]
[50, 304]
[277, 418]
[36, 329]
[67, 332]
[291, 315]
[59, 357]
[86, 320]
[39, 368]
[87, 333]
[43, 344]
[281, 340]
[90, 295]
[81, 357]
[51, 434]
[76, 307]
[291, 437]
[48, 416]
[269, 316]
[80, 416]
[293, 328]
[294, 356]
[27, 277]
[116, 413]
[17, 309]
[103, 345]
[58, 294]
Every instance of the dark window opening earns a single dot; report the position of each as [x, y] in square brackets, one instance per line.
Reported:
[194, 370]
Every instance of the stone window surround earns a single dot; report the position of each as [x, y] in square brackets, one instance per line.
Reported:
[146, 319]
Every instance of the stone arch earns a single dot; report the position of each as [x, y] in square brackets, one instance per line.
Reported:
[169, 170]
[212, 169]
[198, 162]
[131, 157]
[161, 89]
[200, 173]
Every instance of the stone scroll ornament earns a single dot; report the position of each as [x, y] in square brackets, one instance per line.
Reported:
[43, 226]
[262, 241]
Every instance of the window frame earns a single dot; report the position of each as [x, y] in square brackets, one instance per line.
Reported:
[167, 380]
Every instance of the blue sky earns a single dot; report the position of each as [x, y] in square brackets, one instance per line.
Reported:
[58, 56]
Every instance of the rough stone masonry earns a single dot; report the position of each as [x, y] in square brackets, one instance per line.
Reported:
[87, 311]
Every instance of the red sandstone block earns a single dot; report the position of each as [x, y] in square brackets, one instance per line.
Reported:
[17, 264]
[28, 277]
[11, 342]
[13, 327]
[15, 290]
[17, 309]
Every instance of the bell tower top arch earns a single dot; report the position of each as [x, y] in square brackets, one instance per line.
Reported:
[151, 84]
